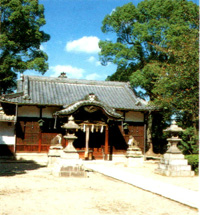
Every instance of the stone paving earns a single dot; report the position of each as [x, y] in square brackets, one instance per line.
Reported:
[180, 189]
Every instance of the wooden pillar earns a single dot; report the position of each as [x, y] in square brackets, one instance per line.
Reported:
[106, 143]
[87, 136]
[40, 141]
[40, 132]
[15, 124]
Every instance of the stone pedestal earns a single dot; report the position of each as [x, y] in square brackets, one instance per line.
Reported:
[174, 165]
[54, 155]
[69, 168]
[69, 155]
[134, 161]
[68, 164]
[134, 156]
[133, 151]
[173, 162]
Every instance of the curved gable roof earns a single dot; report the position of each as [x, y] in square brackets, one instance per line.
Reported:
[89, 101]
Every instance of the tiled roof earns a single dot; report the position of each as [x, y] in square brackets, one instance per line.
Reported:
[6, 118]
[40, 90]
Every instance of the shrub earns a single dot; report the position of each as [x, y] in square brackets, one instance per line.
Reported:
[193, 160]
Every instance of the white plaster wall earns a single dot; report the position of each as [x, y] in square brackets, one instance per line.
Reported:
[28, 111]
[48, 111]
[7, 133]
[133, 116]
[33, 111]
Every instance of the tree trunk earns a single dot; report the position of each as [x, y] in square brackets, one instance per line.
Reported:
[149, 129]
[195, 126]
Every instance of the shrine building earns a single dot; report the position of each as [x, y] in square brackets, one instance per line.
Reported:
[107, 112]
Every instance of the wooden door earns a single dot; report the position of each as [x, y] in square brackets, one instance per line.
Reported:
[27, 136]
[137, 131]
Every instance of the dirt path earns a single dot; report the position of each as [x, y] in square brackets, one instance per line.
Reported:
[36, 192]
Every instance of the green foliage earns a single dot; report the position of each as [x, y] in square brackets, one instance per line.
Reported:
[146, 78]
[189, 141]
[156, 48]
[193, 160]
[177, 84]
[20, 40]
[145, 37]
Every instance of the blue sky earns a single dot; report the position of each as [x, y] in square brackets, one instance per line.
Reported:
[75, 30]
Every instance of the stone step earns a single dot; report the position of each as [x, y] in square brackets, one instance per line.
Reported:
[175, 173]
[174, 167]
[174, 161]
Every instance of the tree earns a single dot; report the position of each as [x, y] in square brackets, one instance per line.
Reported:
[156, 48]
[177, 85]
[20, 40]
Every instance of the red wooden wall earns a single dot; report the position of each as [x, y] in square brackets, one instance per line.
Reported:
[30, 138]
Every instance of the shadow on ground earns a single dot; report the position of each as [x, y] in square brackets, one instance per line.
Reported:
[12, 168]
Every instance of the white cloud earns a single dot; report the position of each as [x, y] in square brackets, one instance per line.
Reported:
[84, 44]
[113, 10]
[98, 63]
[71, 72]
[93, 76]
[42, 47]
[91, 59]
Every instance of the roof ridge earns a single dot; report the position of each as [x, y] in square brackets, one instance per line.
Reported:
[138, 101]
[75, 81]
[131, 92]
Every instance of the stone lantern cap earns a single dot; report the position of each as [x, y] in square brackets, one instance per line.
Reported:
[173, 128]
[70, 124]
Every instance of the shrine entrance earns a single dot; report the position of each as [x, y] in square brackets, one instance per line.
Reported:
[92, 142]
[94, 118]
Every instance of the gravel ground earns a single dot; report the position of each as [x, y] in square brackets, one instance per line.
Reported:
[27, 188]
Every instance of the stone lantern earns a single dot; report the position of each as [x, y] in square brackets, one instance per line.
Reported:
[173, 162]
[173, 141]
[69, 164]
[70, 128]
